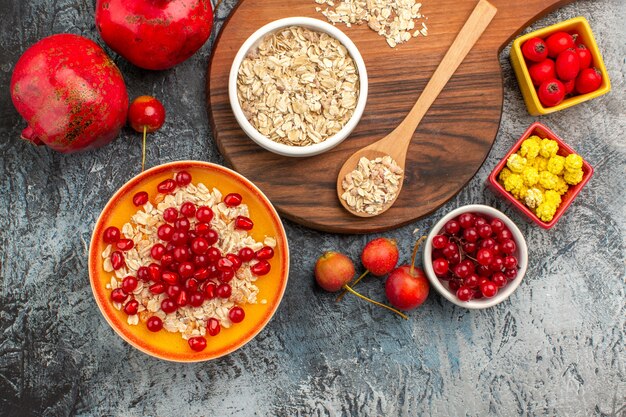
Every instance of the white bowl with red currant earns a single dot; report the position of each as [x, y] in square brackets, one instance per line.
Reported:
[475, 256]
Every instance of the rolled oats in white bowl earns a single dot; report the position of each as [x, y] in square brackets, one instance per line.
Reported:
[298, 86]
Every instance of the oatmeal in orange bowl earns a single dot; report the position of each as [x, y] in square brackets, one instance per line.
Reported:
[188, 261]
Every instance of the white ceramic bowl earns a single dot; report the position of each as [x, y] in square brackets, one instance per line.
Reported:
[280, 148]
[521, 253]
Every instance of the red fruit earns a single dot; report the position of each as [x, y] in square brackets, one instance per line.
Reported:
[118, 295]
[154, 35]
[204, 214]
[510, 262]
[440, 266]
[499, 279]
[170, 278]
[488, 289]
[196, 299]
[508, 246]
[181, 300]
[569, 86]
[243, 223]
[213, 254]
[226, 275]
[222, 291]
[111, 234]
[558, 42]
[406, 287]
[511, 274]
[183, 178]
[464, 293]
[471, 235]
[201, 274]
[188, 209]
[157, 288]
[333, 270]
[131, 307]
[452, 227]
[166, 186]
[129, 284]
[380, 256]
[497, 225]
[154, 324]
[157, 252]
[125, 244]
[168, 306]
[191, 284]
[210, 291]
[170, 214]
[117, 260]
[588, 80]
[233, 199]
[213, 326]
[535, 49]
[584, 56]
[186, 269]
[471, 281]
[146, 112]
[261, 268]
[182, 224]
[236, 314]
[155, 271]
[567, 65]
[180, 238]
[440, 241]
[265, 252]
[140, 198]
[235, 260]
[542, 71]
[246, 254]
[165, 232]
[211, 236]
[551, 92]
[70, 93]
[484, 256]
[197, 343]
[199, 246]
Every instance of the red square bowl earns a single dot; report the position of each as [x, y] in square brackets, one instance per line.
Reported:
[564, 150]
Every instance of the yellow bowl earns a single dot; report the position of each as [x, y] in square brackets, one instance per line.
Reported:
[577, 25]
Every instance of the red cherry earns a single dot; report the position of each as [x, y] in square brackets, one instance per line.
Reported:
[170, 214]
[454, 259]
[154, 324]
[129, 284]
[440, 266]
[197, 343]
[454, 284]
[510, 262]
[222, 291]
[140, 198]
[488, 289]
[117, 260]
[168, 306]
[125, 244]
[452, 227]
[499, 279]
[440, 241]
[243, 223]
[236, 314]
[204, 214]
[496, 264]
[511, 274]
[213, 326]
[464, 293]
[188, 209]
[232, 199]
[497, 225]
[265, 252]
[471, 281]
[166, 186]
[470, 235]
[469, 247]
[118, 295]
[111, 234]
[508, 246]
[131, 307]
[146, 112]
[485, 231]
[246, 254]
[183, 178]
[479, 221]
[484, 256]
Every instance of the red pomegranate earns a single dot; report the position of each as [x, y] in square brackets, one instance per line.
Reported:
[154, 34]
[70, 93]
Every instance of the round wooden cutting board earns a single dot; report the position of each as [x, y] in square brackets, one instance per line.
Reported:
[449, 146]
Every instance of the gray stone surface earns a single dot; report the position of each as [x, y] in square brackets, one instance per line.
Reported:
[556, 347]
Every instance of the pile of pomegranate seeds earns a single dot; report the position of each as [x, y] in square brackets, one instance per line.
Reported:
[187, 265]
[475, 256]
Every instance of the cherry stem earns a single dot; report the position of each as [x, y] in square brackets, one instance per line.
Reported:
[347, 288]
[415, 248]
[353, 283]
[143, 149]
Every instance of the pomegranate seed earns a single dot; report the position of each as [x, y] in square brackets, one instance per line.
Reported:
[181, 300]
[211, 237]
[172, 291]
[117, 260]
[131, 307]
[125, 244]
[199, 246]
[196, 299]
[179, 238]
[265, 253]
[157, 252]
[224, 264]
[143, 273]
[214, 254]
[202, 228]
[129, 284]
[226, 275]
[183, 178]
[246, 254]
[243, 223]
[201, 261]
[170, 278]
[223, 291]
[182, 254]
[188, 209]
[236, 314]
[182, 224]
[212, 268]
[233, 199]
[157, 288]
[111, 234]
[154, 324]
[118, 295]
[204, 214]
[165, 232]
[155, 271]
[186, 269]
[168, 306]
[209, 291]
[201, 274]
[191, 284]
[197, 343]
[213, 326]
[170, 214]
[235, 260]
[261, 268]
[166, 186]
[167, 260]
[140, 198]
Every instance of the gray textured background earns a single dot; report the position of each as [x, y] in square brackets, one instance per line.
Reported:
[556, 347]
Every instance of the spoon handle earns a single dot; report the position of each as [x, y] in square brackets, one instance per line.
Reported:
[472, 29]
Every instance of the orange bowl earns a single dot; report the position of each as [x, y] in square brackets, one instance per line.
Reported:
[171, 346]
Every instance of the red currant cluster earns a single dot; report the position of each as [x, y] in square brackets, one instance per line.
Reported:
[186, 265]
[475, 256]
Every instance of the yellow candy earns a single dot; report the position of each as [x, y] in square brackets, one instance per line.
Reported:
[533, 197]
[530, 148]
[573, 177]
[540, 163]
[549, 148]
[545, 211]
[552, 197]
[561, 186]
[530, 175]
[548, 180]
[536, 139]
[573, 162]
[556, 164]
[514, 184]
[504, 174]
[516, 163]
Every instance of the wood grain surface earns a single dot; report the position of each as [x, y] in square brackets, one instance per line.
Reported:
[449, 146]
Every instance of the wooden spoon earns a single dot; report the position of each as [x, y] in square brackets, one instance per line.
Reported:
[397, 142]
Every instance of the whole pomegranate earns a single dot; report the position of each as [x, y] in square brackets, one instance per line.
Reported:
[154, 34]
[70, 93]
